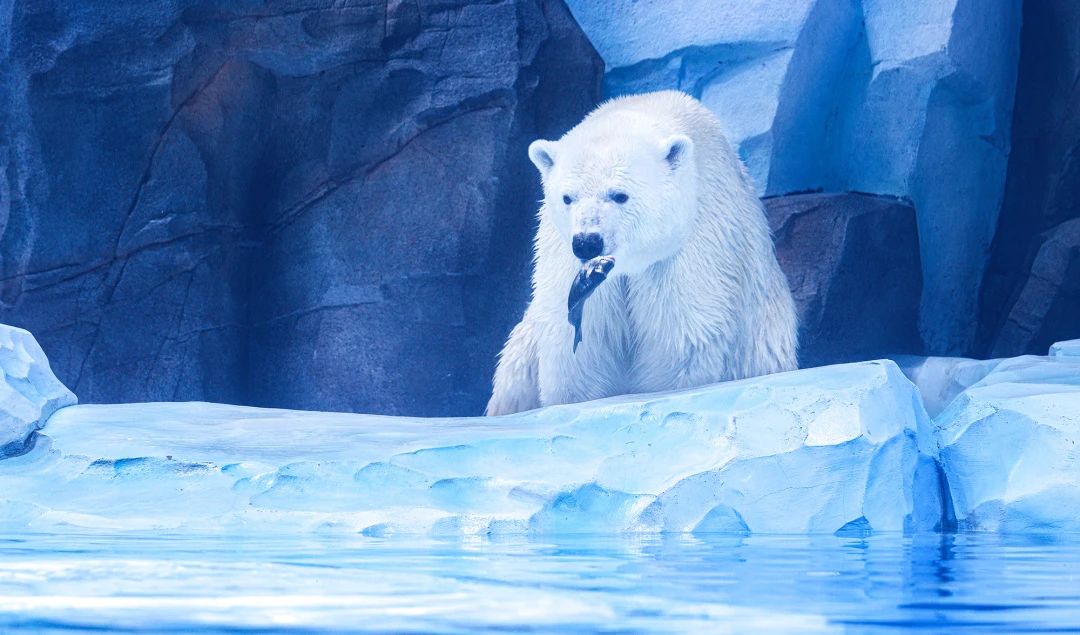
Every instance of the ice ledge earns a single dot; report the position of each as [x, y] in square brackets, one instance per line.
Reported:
[821, 450]
[1070, 348]
[1008, 444]
[29, 392]
[845, 449]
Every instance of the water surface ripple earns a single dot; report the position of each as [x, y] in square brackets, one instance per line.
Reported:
[585, 584]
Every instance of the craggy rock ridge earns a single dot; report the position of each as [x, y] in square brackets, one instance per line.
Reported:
[302, 203]
[1031, 294]
[907, 99]
[846, 449]
[852, 261]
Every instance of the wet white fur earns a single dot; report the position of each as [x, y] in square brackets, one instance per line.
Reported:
[696, 296]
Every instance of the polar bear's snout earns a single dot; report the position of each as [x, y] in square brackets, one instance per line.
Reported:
[588, 245]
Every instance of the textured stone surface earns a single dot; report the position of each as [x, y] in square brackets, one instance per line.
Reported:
[1021, 312]
[811, 451]
[909, 99]
[305, 204]
[29, 392]
[1047, 303]
[853, 265]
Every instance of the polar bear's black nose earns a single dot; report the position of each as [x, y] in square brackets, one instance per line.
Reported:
[588, 245]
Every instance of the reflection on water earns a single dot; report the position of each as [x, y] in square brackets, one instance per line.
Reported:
[934, 583]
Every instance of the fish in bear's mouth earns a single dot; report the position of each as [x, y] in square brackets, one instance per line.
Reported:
[592, 274]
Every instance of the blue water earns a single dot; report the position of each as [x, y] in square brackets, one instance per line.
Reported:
[755, 584]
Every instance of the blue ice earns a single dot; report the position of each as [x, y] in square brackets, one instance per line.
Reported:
[852, 449]
[813, 451]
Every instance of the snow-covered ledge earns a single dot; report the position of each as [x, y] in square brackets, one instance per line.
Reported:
[814, 451]
[1070, 348]
[29, 391]
[846, 449]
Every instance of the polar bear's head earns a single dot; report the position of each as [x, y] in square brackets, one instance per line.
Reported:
[620, 187]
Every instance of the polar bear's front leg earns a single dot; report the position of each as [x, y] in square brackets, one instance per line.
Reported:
[516, 388]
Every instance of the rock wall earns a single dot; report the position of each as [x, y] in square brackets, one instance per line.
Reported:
[1031, 295]
[297, 204]
[852, 261]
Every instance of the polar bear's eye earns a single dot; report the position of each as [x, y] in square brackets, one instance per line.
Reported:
[619, 197]
[566, 199]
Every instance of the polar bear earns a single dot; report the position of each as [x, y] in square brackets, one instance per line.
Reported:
[695, 296]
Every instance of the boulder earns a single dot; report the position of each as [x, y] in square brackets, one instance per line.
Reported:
[1047, 303]
[852, 262]
[825, 450]
[304, 204]
[29, 392]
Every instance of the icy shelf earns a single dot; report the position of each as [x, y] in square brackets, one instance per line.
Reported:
[941, 379]
[843, 449]
[29, 392]
[1009, 445]
[816, 451]
[1070, 348]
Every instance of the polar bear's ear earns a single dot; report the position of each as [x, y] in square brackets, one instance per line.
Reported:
[542, 154]
[677, 149]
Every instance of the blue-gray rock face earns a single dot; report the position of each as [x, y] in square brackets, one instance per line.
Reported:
[1045, 303]
[1031, 294]
[314, 206]
[852, 261]
[297, 204]
[910, 99]
[29, 392]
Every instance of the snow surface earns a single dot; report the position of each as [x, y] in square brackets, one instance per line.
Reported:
[941, 379]
[824, 450]
[29, 392]
[1010, 445]
[846, 449]
[1071, 348]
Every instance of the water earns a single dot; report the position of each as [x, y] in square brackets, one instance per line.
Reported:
[755, 584]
